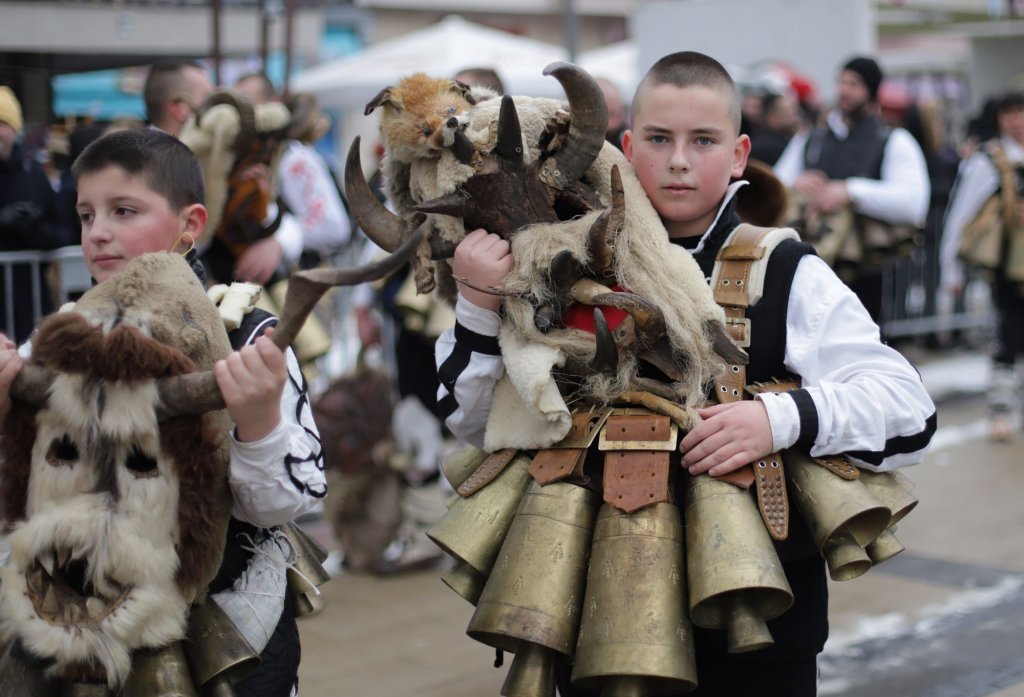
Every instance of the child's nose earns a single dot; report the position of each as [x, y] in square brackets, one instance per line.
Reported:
[98, 229]
[679, 161]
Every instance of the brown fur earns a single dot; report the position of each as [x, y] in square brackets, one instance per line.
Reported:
[416, 112]
[70, 343]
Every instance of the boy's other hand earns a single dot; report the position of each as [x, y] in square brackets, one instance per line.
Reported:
[252, 380]
[810, 183]
[10, 365]
[730, 436]
[484, 259]
[258, 263]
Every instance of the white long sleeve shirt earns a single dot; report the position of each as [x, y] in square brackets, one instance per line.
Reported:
[899, 197]
[307, 188]
[870, 402]
[977, 180]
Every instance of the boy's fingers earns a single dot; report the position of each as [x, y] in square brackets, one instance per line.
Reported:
[272, 356]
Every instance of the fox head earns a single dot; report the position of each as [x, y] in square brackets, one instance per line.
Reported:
[421, 114]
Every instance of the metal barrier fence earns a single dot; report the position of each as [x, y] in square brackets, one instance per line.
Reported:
[71, 280]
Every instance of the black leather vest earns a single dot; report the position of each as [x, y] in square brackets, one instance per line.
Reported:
[858, 155]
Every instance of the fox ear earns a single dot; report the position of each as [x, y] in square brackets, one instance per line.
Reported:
[463, 89]
[383, 97]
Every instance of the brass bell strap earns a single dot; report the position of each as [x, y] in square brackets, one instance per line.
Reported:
[490, 468]
[772, 500]
[637, 446]
[566, 458]
[838, 465]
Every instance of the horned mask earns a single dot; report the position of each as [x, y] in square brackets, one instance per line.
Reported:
[117, 511]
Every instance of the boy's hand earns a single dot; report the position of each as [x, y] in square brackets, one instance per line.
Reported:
[252, 380]
[483, 259]
[10, 365]
[730, 436]
[259, 262]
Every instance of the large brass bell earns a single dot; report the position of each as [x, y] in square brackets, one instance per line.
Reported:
[842, 515]
[162, 672]
[635, 636]
[307, 574]
[21, 679]
[735, 577]
[532, 673]
[535, 589]
[893, 490]
[81, 689]
[474, 527]
[217, 652]
[465, 580]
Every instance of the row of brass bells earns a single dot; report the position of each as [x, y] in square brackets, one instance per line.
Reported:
[162, 672]
[307, 573]
[735, 577]
[531, 603]
[635, 637]
[456, 467]
[474, 528]
[842, 514]
[218, 654]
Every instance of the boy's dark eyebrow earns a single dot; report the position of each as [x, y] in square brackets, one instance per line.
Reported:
[710, 131]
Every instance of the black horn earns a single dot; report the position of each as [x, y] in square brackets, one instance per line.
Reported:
[588, 121]
[380, 225]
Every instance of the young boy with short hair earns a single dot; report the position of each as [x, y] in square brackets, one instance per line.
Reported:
[142, 191]
[858, 396]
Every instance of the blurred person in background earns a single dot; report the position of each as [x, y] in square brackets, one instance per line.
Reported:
[856, 162]
[482, 77]
[173, 90]
[780, 120]
[617, 118]
[985, 213]
[28, 208]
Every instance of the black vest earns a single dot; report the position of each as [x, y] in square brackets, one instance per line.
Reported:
[859, 155]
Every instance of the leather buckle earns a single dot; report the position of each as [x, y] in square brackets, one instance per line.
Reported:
[739, 330]
[643, 431]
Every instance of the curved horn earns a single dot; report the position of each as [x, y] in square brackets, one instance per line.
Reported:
[606, 354]
[32, 385]
[198, 393]
[602, 254]
[649, 320]
[588, 121]
[380, 225]
[246, 116]
[463, 148]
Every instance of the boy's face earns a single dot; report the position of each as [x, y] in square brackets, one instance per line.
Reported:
[123, 218]
[1011, 123]
[684, 148]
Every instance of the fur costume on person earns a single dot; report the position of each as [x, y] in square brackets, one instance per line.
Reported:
[117, 519]
[644, 262]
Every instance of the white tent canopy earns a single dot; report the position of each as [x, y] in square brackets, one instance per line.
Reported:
[440, 49]
[617, 62]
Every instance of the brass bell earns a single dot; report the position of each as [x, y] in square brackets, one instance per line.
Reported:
[162, 672]
[458, 465]
[535, 588]
[21, 679]
[884, 548]
[842, 515]
[892, 489]
[635, 636]
[465, 580]
[532, 673]
[735, 577]
[474, 527]
[307, 574]
[216, 650]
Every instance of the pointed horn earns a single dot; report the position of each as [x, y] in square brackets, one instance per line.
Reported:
[198, 393]
[463, 148]
[380, 225]
[650, 322]
[510, 134]
[602, 254]
[589, 119]
[453, 204]
[606, 354]
[32, 385]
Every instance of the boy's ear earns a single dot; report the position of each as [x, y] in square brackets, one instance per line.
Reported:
[194, 219]
[741, 152]
[627, 144]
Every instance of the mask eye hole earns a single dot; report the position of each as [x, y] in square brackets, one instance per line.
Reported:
[140, 464]
[63, 452]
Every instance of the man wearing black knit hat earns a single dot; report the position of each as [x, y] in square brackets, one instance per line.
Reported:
[861, 186]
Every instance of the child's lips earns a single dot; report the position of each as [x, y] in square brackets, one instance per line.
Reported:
[105, 259]
[677, 189]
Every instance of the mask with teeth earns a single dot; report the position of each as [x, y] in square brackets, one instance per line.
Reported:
[116, 519]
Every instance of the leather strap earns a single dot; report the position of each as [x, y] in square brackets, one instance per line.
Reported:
[554, 465]
[636, 478]
[638, 431]
[490, 468]
[772, 499]
[838, 465]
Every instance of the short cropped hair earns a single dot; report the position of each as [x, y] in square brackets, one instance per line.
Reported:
[165, 163]
[1010, 101]
[267, 91]
[163, 83]
[687, 69]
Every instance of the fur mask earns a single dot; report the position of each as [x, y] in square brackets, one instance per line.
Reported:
[117, 520]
